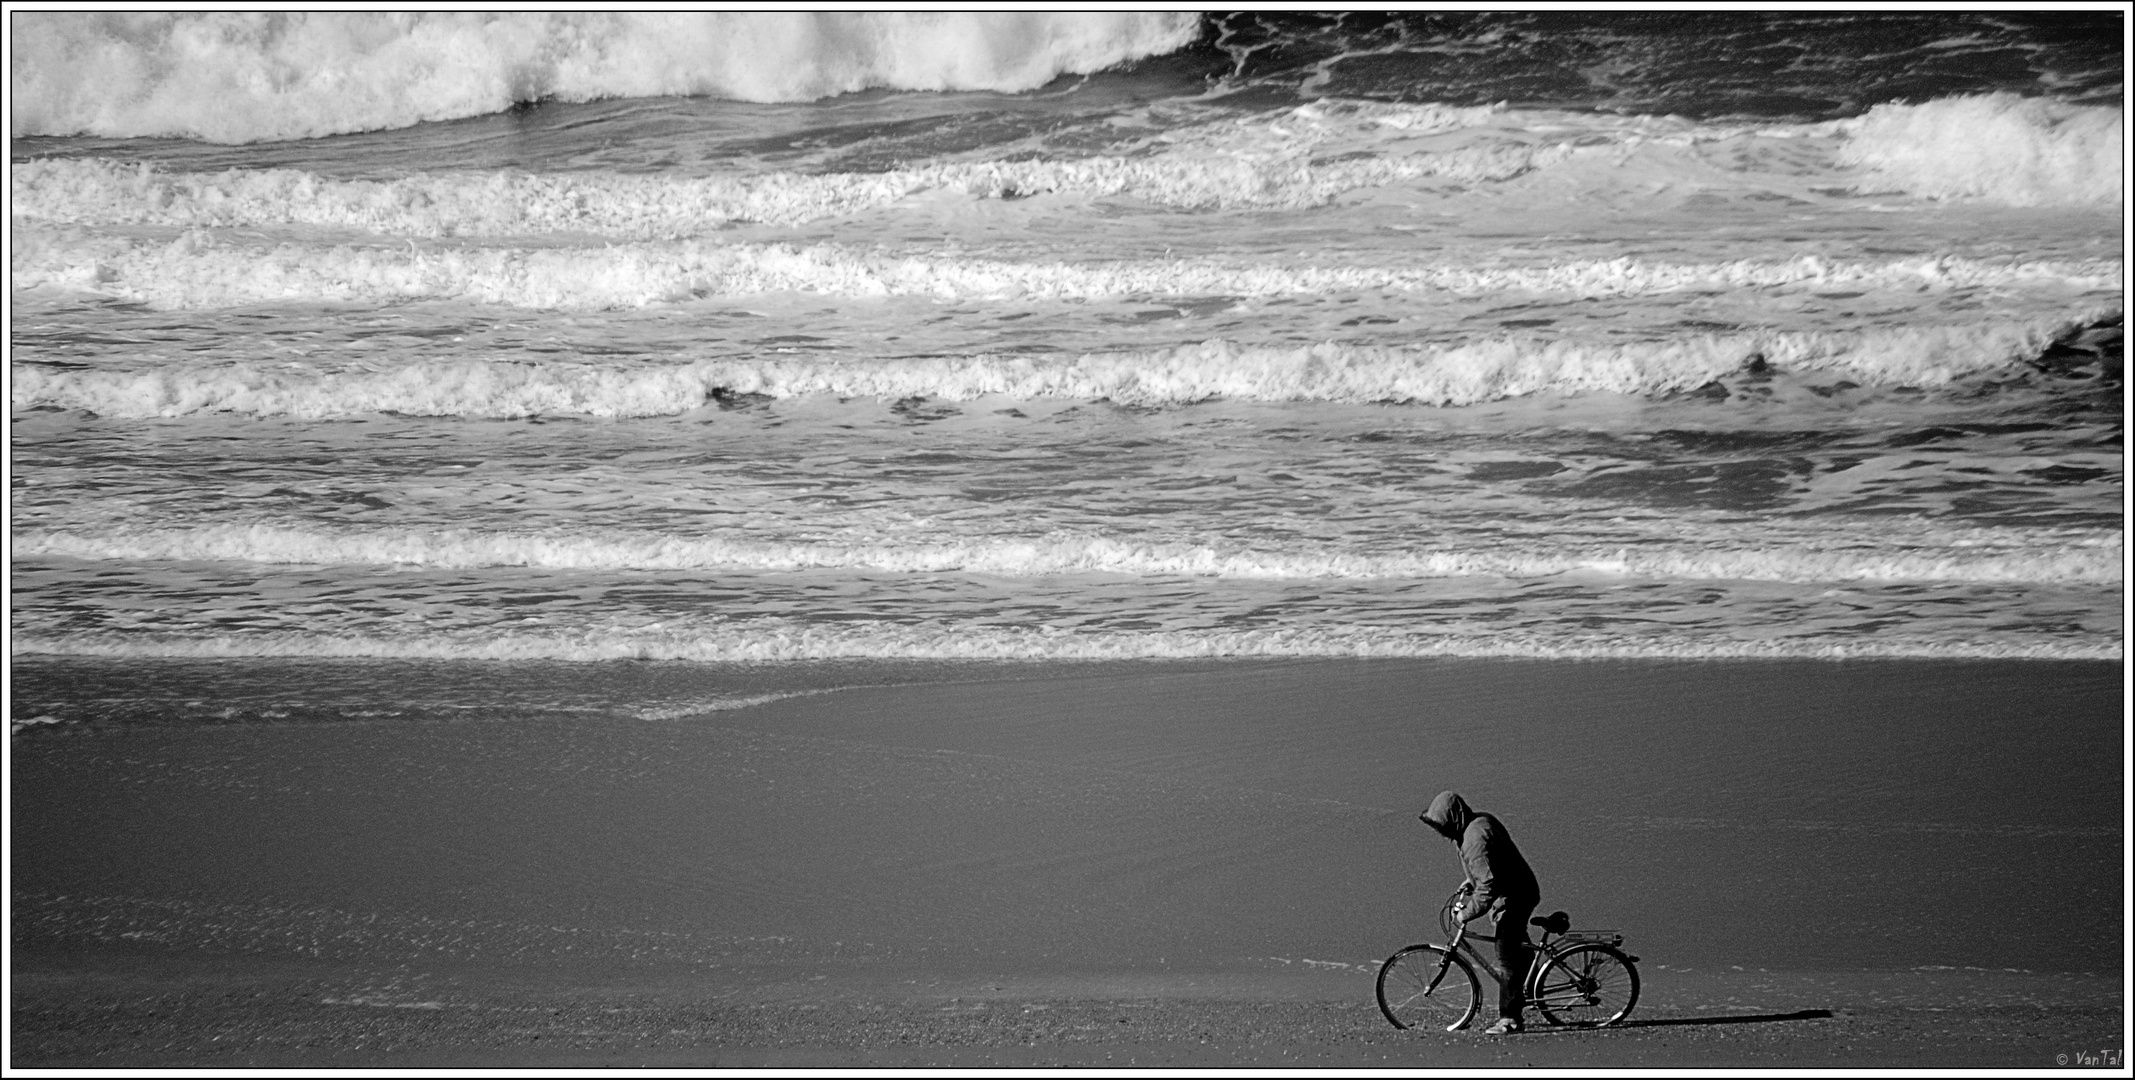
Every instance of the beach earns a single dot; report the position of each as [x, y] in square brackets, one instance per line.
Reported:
[906, 538]
[2005, 1021]
[951, 871]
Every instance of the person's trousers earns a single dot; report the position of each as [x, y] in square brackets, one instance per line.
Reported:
[1514, 953]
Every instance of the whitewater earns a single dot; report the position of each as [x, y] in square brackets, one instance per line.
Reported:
[803, 337]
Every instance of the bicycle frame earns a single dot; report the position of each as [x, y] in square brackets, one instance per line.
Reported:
[1579, 979]
[1463, 943]
[1548, 948]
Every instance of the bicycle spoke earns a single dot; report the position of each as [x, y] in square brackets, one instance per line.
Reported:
[1425, 987]
[1586, 985]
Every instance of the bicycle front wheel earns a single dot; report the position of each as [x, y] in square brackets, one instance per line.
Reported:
[1586, 986]
[1426, 986]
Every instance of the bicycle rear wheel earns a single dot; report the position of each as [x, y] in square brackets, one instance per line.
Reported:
[1586, 986]
[1424, 986]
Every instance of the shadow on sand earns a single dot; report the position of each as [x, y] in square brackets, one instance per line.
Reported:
[1757, 1018]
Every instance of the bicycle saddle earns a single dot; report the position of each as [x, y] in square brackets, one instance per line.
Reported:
[1556, 922]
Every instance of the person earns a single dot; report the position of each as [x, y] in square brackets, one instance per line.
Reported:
[1503, 886]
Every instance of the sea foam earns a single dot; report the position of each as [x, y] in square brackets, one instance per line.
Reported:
[775, 640]
[631, 206]
[1458, 373]
[2037, 555]
[199, 270]
[238, 77]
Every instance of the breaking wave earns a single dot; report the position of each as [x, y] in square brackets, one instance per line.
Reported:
[240, 77]
[198, 272]
[2015, 150]
[95, 191]
[1461, 373]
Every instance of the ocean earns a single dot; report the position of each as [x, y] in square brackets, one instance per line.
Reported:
[731, 339]
[716, 489]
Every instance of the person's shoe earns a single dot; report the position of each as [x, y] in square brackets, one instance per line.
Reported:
[1505, 1025]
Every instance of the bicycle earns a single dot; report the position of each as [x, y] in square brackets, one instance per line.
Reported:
[1574, 980]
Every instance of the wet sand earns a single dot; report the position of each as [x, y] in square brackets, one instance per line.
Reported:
[1225, 850]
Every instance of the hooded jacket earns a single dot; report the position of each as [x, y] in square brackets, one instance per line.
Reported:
[1500, 873]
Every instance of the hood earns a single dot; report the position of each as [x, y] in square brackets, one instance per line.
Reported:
[1449, 814]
